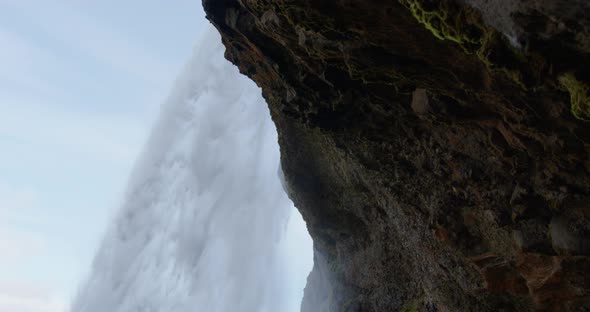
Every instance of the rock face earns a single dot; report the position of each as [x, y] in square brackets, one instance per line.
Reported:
[438, 150]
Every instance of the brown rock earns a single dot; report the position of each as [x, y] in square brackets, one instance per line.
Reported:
[418, 135]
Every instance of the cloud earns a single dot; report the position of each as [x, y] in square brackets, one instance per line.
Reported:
[35, 112]
[13, 198]
[20, 60]
[17, 246]
[108, 138]
[78, 31]
[20, 249]
[19, 297]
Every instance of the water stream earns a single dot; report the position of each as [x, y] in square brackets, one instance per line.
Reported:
[205, 224]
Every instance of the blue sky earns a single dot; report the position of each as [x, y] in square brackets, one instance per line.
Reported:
[80, 84]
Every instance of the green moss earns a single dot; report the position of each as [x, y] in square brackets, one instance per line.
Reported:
[412, 306]
[439, 23]
[514, 75]
[580, 101]
[390, 77]
[303, 17]
[434, 21]
[464, 28]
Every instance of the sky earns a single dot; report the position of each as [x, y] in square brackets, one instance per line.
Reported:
[81, 82]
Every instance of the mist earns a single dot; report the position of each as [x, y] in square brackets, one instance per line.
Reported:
[205, 224]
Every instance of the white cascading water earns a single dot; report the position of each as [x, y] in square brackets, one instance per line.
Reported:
[205, 225]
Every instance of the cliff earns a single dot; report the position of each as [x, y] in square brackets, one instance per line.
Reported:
[438, 150]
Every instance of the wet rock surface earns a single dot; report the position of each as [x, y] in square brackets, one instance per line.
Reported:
[438, 150]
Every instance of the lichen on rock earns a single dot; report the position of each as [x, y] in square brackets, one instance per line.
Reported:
[580, 101]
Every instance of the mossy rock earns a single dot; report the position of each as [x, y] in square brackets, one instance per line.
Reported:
[580, 101]
[412, 306]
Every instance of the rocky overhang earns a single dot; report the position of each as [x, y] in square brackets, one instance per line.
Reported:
[438, 150]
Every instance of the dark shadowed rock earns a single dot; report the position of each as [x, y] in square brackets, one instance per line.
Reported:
[438, 150]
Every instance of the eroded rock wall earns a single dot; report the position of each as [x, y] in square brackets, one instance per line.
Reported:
[438, 150]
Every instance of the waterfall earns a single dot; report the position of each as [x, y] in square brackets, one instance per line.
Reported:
[205, 224]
